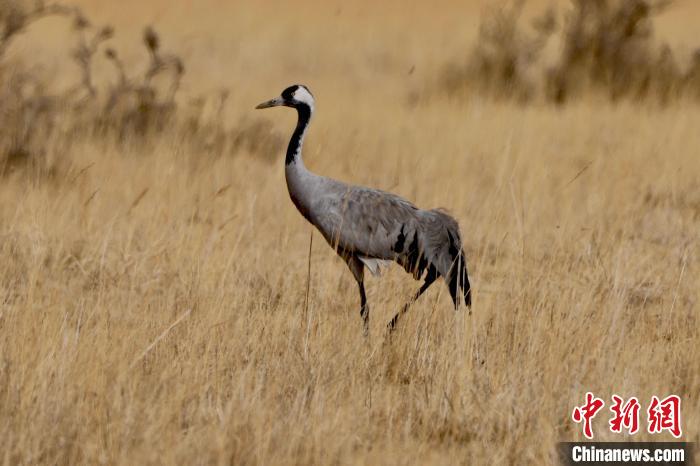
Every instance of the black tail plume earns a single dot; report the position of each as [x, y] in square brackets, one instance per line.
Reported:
[459, 281]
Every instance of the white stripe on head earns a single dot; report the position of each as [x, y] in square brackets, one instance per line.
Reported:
[303, 95]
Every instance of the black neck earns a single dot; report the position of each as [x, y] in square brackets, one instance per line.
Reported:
[294, 146]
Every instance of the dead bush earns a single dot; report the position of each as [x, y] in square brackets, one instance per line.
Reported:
[136, 109]
[607, 48]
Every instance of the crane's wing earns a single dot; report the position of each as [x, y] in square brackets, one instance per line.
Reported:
[370, 223]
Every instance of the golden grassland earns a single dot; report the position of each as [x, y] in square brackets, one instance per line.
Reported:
[152, 301]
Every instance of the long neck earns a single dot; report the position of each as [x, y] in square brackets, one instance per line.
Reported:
[295, 143]
[300, 181]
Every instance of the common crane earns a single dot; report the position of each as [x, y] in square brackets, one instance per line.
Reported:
[369, 227]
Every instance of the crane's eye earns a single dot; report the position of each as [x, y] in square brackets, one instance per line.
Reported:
[288, 93]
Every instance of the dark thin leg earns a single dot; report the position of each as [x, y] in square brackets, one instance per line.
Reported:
[429, 280]
[364, 308]
[357, 268]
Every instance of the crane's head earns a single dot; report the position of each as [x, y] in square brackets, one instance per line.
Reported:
[295, 96]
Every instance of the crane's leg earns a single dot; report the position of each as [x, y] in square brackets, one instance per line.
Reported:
[429, 280]
[364, 309]
[358, 271]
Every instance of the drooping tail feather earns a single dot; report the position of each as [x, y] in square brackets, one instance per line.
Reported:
[444, 252]
[458, 281]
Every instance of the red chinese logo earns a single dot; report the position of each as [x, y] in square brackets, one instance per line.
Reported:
[587, 412]
[665, 415]
[662, 415]
[625, 415]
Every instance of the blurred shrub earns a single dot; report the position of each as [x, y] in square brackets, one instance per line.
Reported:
[605, 47]
[37, 126]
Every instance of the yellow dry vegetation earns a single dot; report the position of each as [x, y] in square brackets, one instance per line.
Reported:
[152, 301]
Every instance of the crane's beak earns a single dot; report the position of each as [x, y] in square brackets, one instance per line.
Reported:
[276, 102]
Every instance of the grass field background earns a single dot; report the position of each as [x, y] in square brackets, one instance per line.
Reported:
[152, 297]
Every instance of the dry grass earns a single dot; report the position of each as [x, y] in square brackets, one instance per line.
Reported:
[151, 296]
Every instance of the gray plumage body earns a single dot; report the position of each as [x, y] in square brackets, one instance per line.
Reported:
[374, 224]
[369, 227]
